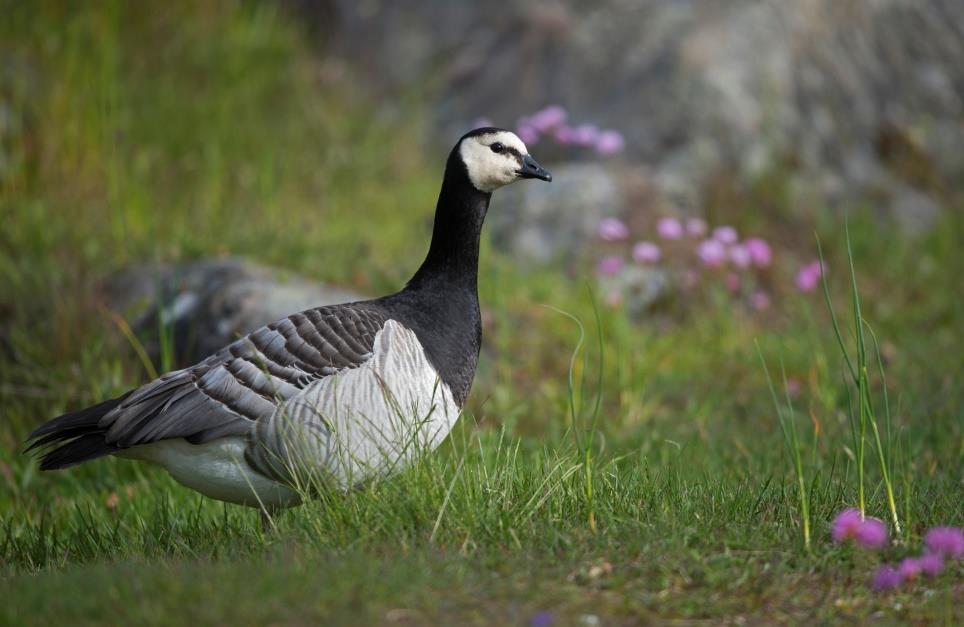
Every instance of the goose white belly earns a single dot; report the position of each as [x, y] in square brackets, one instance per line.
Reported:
[216, 469]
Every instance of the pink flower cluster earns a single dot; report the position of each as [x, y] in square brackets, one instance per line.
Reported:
[722, 247]
[888, 577]
[850, 524]
[719, 250]
[609, 265]
[552, 122]
[615, 230]
[946, 541]
[940, 544]
[647, 252]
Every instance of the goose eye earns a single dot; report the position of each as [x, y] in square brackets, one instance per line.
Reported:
[497, 147]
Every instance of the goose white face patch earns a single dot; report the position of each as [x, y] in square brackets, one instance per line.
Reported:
[491, 169]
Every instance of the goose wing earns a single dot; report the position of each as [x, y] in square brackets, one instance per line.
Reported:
[226, 393]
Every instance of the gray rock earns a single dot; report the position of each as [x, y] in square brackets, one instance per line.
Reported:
[699, 87]
[538, 224]
[204, 305]
[912, 209]
[636, 289]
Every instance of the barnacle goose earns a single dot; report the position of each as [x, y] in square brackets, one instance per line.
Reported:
[352, 390]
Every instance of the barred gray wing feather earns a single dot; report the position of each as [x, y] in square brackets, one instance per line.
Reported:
[228, 392]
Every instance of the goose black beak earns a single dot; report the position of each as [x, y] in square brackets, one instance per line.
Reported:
[532, 170]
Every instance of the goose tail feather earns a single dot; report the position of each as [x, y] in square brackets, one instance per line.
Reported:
[73, 438]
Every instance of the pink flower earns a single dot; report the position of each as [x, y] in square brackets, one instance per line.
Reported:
[711, 252]
[809, 276]
[793, 389]
[868, 532]
[872, 533]
[646, 252]
[725, 234]
[931, 564]
[945, 541]
[565, 135]
[609, 266]
[528, 134]
[759, 250]
[732, 281]
[886, 578]
[909, 568]
[740, 256]
[669, 228]
[760, 301]
[612, 230]
[845, 525]
[547, 119]
[610, 142]
[585, 135]
[806, 281]
[696, 227]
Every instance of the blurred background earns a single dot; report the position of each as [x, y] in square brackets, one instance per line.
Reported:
[172, 175]
[853, 100]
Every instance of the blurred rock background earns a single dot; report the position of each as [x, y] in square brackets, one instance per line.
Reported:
[856, 100]
[205, 305]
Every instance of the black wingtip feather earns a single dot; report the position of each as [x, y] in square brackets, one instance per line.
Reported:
[77, 434]
[76, 451]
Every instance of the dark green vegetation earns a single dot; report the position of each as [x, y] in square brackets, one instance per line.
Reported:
[193, 132]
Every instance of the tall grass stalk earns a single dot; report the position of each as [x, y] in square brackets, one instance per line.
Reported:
[585, 447]
[792, 442]
[866, 413]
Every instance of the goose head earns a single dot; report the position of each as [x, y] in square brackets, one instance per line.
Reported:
[495, 157]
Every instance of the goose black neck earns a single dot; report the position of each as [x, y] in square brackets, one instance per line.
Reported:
[453, 257]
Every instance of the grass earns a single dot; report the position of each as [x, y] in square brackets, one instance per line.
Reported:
[642, 479]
